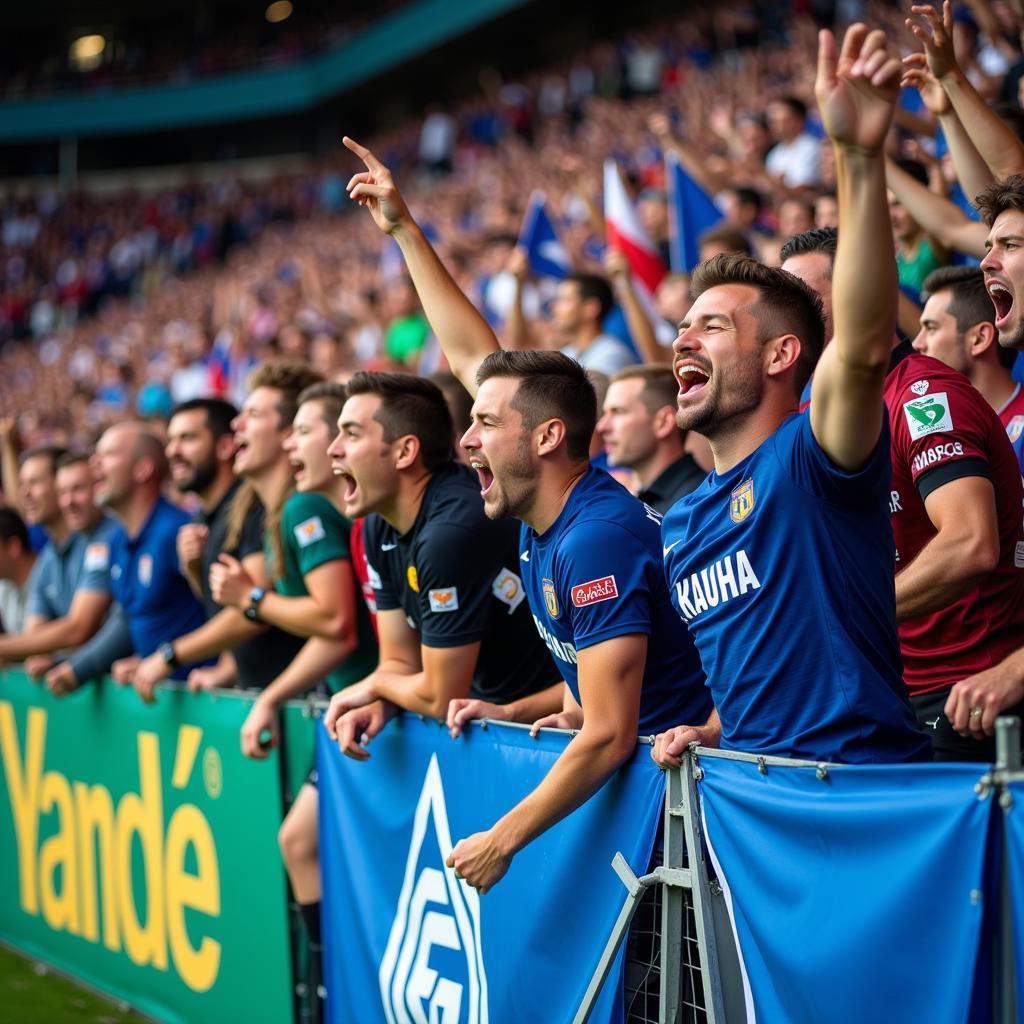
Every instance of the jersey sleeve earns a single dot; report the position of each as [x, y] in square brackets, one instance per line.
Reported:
[95, 576]
[604, 582]
[808, 465]
[315, 531]
[454, 582]
[940, 436]
[378, 569]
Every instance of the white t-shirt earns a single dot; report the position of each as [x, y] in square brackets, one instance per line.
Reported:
[13, 604]
[606, 354]
[798, 162]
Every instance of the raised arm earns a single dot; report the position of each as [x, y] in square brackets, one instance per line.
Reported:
[939, 217]
[856, 92]
[996, 142]
[465, 336]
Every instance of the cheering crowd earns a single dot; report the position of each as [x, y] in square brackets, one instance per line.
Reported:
[789, 525]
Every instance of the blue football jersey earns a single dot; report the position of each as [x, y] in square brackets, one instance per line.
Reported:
[783, 570]
[595, 574]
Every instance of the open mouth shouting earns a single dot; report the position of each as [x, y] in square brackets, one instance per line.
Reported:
[692, 377]
[483, 472]
[351, 487]
[1001, 295]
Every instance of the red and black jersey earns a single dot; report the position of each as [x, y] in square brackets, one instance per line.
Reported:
[943, 430]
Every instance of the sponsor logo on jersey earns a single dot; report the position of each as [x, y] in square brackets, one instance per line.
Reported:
[97, 557]
[444, 599]
[928, 415]
[145, 570]
[729, 577]
[310, 531]
[412, 579]
[1018, 555]
[388, 547]
[508, 589]
[919, 387]
[525, 556]
[594, 591]
[935, 455]
[433, 966]
[1015, 428]
[561, 649]
[550, 600]
[894, 503]
[741, 501]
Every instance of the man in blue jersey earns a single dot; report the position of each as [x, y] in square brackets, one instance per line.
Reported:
[589, 553]
[781, 563]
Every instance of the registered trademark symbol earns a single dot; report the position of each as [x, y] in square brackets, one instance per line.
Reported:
[212, 774]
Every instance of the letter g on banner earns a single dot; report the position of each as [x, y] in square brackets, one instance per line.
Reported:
[436, 925]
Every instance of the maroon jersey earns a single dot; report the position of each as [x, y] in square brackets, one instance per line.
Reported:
[942, 430]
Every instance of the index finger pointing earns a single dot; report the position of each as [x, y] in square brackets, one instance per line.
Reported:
[365, 155]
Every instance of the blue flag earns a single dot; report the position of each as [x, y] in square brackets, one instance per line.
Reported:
[691, 211]
[538, 237]
[854, 895]
[404, 939]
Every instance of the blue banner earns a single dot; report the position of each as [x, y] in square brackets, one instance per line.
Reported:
[1014, 819]
[406, 942]
[539, 238]
[851, 897]
[691, 212]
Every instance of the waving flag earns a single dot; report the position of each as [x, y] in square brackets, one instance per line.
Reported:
[538, 237]
[691, 212]
[626, 233]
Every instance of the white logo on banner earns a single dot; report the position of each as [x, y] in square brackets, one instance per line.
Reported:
[435, 909]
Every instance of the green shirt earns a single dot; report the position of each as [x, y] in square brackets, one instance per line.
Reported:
[913, 270]
[314, 532]
[405, 337]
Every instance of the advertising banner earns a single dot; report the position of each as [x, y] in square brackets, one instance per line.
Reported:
[406, 941]
[139, 850]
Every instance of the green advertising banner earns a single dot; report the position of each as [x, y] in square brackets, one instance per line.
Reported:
[139, 850]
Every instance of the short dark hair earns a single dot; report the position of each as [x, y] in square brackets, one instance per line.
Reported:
[460, 401]
[219, 413]
[551, 386]
[660, 388]
[795, 104]
[593, 286]
[749, 197]
[13, 526]
[73, 458]
[51, 452]
[786, 304]
[725, 234]
[331, 397]
[290, 378]
[409, 405]
[969, 301]
[1007, 194]
[825, 240]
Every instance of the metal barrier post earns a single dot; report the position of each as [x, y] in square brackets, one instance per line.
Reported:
[1008, 760]
[673, 903]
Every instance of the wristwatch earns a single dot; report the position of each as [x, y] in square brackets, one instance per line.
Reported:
[252, 613]
[166, 651]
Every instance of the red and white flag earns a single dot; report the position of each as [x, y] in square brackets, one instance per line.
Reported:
[626, 233]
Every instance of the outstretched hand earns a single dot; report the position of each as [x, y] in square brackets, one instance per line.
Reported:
[857, 87]
[936, 38]
[375, 189]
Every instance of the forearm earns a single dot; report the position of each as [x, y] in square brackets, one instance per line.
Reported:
[9, 473]
[974, 173]
[517, 333]
[227, 629]
[412, 692]
[908, 315]
[864, 290]
[192, 573]
[583, 768]
[942, 572]
[998, 145]
[640, 327]
[57, 635]
[536, 705]
[314, 662]
[465, 336]
[113, 641]
[303, 616]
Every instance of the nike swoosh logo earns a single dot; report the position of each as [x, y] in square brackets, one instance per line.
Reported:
[665, 551]
[388, 547]
[525, 556]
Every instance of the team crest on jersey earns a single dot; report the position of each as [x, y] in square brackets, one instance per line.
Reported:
[412, 578]
[550, 600]
[146, 570]
[928, 415]
[741, 501]
[310, 531]
[445, 599]
[919, 387]
[1015, 428]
